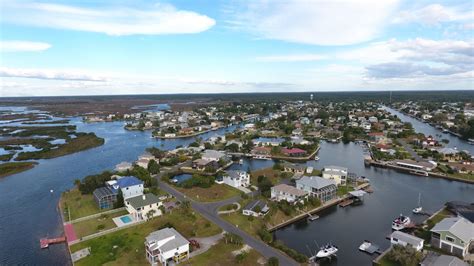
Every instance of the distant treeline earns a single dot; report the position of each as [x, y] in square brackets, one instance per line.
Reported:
[349, 96]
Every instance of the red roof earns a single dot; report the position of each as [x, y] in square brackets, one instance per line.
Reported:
[373, 134]
[293, 151]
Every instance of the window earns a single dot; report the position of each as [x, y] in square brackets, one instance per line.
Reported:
[435, 235]
[450, 239]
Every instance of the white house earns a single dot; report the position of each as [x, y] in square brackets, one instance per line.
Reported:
[212, 155]
[166, 245]
[129, 185]
[143, 207]
[237, 178]
[289, 193]
[336, 173]
[255, 208]
[404, 239]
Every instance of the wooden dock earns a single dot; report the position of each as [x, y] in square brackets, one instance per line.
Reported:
[45, 242]
[346, 203]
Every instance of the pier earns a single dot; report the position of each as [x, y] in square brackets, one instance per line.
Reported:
[45, 242]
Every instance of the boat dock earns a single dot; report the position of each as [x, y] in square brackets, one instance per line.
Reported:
[45, 242]
[346, 203]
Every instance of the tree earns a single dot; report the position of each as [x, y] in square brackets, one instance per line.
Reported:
[153, 167]
[120, 200]
[273, 261]
[77, 182]
[404, 256]
[150, 214]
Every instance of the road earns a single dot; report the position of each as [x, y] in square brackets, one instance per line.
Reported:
[209, 211]
[412, 152]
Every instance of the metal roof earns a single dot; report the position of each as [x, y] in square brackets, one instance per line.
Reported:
[458, 226]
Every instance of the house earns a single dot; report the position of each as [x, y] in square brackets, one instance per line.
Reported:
[212, 155]
[436, 259]
[377, 137]
[323, 189]
[255, 208]
[236, 178]
[142, 163]
[267, 141]
[336, 173]
[202, 164]
[105, 197]
[261, 152]
[411, 164]
[293, 168]
[404, 239]
[166, 245]
[289, 193]
[129, 185]
[293, 152]
[454, 235]
[144, 206]
[450, 154]
[300, 141]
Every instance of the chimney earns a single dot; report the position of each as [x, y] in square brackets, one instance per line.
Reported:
[143, 196]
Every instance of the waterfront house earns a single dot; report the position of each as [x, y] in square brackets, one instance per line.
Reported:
[165, 246]
[377, 137]
[336, 173]
[293, 168]
[411, 164]
[212, 155]
[255, 208]
[143, 207]
[454, 235]
[436, 259]
[142, 163]
[268, 141]
[289, 193]
[404, 239]
[323, 189]
[293, 152]
[261, 152]
[104, 197]
[129, 185]
[450, 154]
[236, 178]
[202, 164]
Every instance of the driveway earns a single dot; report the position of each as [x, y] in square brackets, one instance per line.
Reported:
[209, 211]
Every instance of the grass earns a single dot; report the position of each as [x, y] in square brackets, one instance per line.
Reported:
[221, 254]
[273, 175]
[438, 217]
[78, 205]
[83, 141]
[125, 247]
[216, 192]
[95, 225]
[6, 157]
[343, 190]
[7, 169]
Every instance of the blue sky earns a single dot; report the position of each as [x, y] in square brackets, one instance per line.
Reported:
[148, 47]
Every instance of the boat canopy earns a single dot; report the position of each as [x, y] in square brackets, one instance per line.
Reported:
[358, 193]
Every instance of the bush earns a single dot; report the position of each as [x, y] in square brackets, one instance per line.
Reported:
[273, 261]
[198, 181]
[231, 238]
[101, 227]
[266, 236]
[241, 257]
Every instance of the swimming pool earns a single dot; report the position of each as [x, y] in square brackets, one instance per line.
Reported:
[126, 219]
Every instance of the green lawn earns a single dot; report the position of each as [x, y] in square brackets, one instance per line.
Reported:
[273, 175]
[221, 254]
[125, 247]
[96, 225]
[216, 192]
[343, 190]
[78, 205]
[7, 169]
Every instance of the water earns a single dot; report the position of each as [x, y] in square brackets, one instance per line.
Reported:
[28, 211]
[182, 177]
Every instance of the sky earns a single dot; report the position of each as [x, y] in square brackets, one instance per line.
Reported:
[53, 48]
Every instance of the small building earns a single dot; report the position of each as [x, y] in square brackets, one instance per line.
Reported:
[143, 207]
[166, 245]
[105, 197]
[236, 178]
[268, 141]
[289, 193]
[323, 189]
[454, 235]
[336, 173]
[293, 168]
[293, 152]
[411, 164]
[212, 155]
[255, 208]
[404, 239]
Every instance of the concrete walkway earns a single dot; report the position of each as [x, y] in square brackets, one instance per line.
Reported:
[231, 211]
[206, 243]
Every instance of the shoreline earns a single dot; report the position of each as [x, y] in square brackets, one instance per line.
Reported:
[190, 135]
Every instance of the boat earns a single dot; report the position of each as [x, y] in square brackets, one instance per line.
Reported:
[369, 247]
[400, 222]
[418, 209]
[241, 161]
[327, 251]
[419, 172]
[313, 217]
[365, 245]
[316, 158]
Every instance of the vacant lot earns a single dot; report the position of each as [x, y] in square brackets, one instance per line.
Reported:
[76, 205]
[216, 192]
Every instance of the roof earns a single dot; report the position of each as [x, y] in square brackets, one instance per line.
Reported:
[235, 173]
[143, 200]
[213, 154]
[103, 192]
[128, 181]
[335, 167]
[294, 166]
[407, 238]
[201, 162]
[315, 182]
[269, 140]
[290, 190]
[358, 193]
[458, 226]
[434, 259]
[293, 150]
[176, 239]
[448, 151]
[251, 205]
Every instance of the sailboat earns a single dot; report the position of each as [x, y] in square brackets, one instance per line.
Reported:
[418, 209]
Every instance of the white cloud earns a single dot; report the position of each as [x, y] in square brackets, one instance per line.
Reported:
[23, 46]
[434, 14]
[49, 74]
[291, 58]
[318, 22]
[158, 19]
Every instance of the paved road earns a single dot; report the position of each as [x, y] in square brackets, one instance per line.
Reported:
[209, 211]
[409, 149]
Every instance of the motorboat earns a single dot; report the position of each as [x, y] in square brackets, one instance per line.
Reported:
[400, 222]
[419, 172]
[418, 209]
[316, 158]
[327, 251]
[364, 246]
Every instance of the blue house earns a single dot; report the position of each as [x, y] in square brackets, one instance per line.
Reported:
[107, 196]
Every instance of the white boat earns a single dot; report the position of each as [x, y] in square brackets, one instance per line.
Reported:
[364, 246]
[419, 172]
[327, 251]
[313, 217]
[418, 209]
[241, 161]
[400, 222]
[316, 158]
